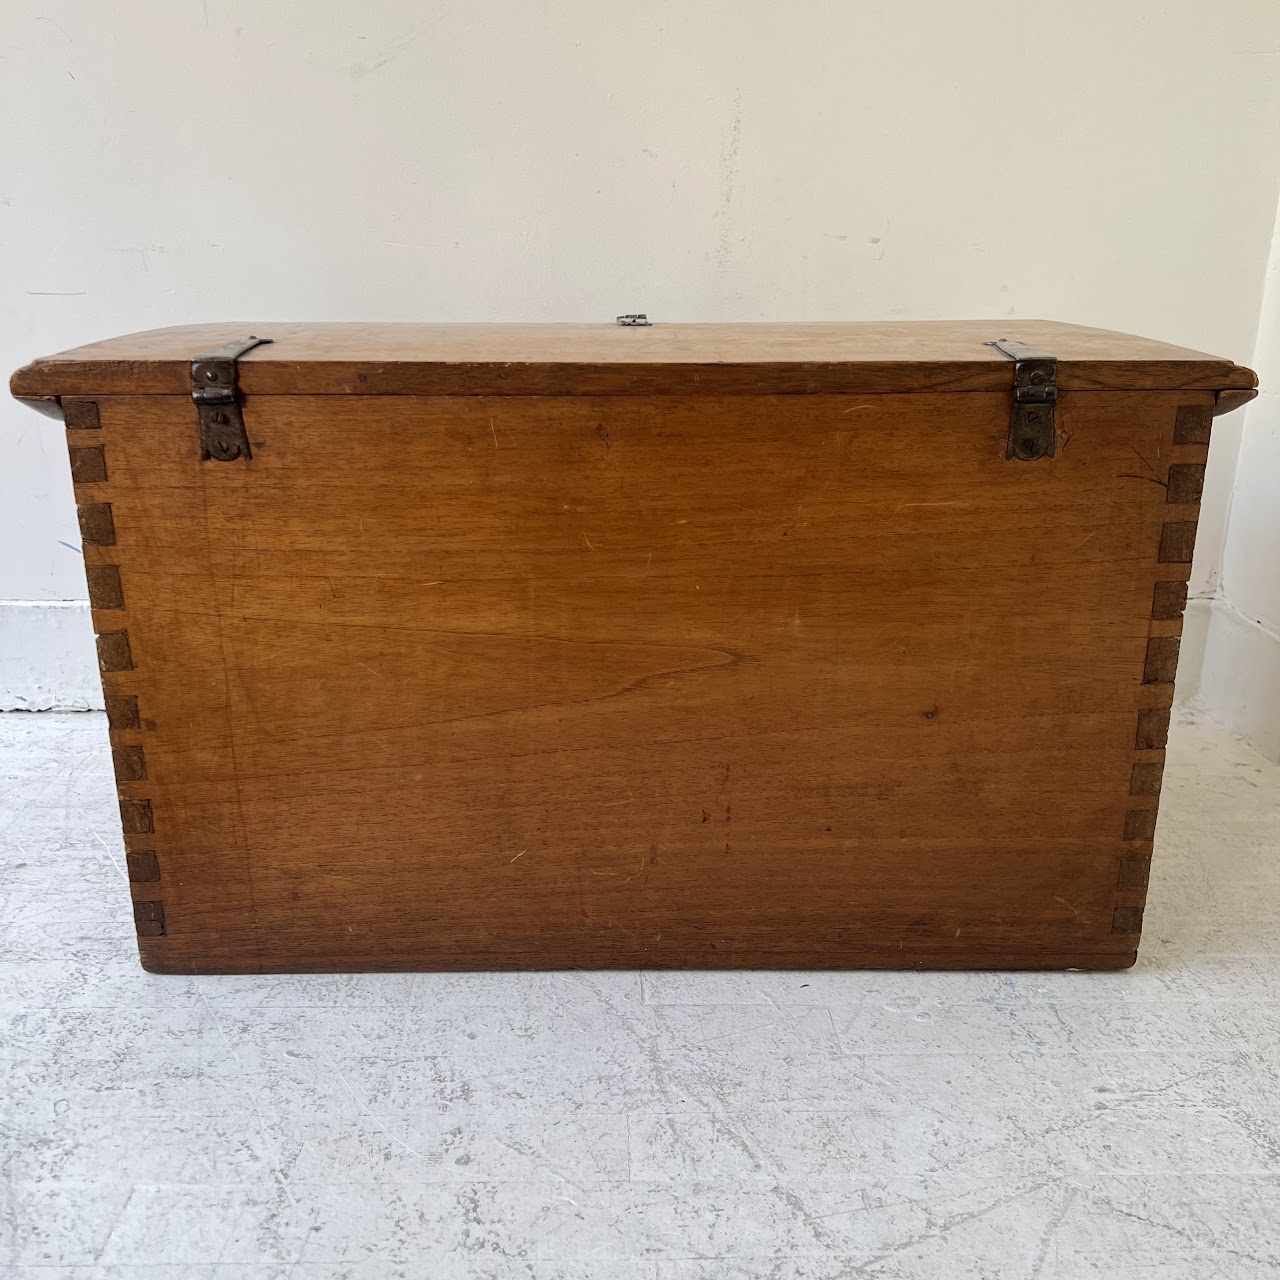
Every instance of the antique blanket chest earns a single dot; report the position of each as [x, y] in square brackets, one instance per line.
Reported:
[507, 646]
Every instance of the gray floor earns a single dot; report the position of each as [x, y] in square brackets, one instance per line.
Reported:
[692, 1126]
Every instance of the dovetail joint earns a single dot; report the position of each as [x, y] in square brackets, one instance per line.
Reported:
[1192, 424]
[1133, 873]
[81, 415]
[144, 867]
[1145, 779]
[1140, 824]
[130, 763]
[1177, 542]
[148, 918]
[1126, 920]
[122, 712]
[1162, 660]
[136, 817]
[114, 653]
[97, 527]
[1186, 483]
[1153, 729]
[88, 464]
[105, 591]
[1169, 601]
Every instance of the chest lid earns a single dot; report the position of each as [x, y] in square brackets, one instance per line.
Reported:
[625, 359]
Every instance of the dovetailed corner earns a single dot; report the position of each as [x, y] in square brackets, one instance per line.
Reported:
[1193, 424]
[1186, 482]
[88, 465]
[130, 764]
[122, 713]
[114, 653]
[1145, 779]
[1140, 824]
[105, 591]
[81, 415]
[1162, 660]
[1177, 542]
[1133, 873]
[1153, 729]
[97, 528]
[136, 817]
[144, 867]
[1169, 601]
[148, 917]
[1126, 920]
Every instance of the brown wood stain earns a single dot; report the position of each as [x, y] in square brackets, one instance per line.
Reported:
[704, 646]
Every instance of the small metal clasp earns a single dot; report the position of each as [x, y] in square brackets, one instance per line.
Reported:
[1035, 392]
[213, 388]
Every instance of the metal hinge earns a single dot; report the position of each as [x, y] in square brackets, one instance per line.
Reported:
[213, 388]
[1035, 391]
[638, 321]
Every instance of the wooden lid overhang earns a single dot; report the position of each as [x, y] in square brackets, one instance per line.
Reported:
[608, 359]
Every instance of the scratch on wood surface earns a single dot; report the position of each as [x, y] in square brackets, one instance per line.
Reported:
[494, 431]
[520, 855]
[1070, 906]
[618, 874]
[1129, 475]
[1142, 460]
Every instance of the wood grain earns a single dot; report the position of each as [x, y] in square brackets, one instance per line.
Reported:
[144, 867]
[640, 681]
[105, 590]
[603, 359]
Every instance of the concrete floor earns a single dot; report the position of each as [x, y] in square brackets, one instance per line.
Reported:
[676, 1126]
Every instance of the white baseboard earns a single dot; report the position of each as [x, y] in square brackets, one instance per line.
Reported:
[1239, 683]
[1195, 634]
[48, 660]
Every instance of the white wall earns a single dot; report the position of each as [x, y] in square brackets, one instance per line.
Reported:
[1240, 682]
[1111, 164]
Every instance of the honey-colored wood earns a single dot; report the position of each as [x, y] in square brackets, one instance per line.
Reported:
[143, 867]
[1231, 400]
[757, 678]
[604, 359]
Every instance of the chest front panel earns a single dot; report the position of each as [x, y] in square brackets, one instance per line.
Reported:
[787, 680]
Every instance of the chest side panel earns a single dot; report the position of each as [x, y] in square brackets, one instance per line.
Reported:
[786, 680]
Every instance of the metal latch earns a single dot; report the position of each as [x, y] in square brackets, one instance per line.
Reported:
[1035, 391]
[213, 388]
[638, 321]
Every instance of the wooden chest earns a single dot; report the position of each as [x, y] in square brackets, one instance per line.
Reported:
[505, 646]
